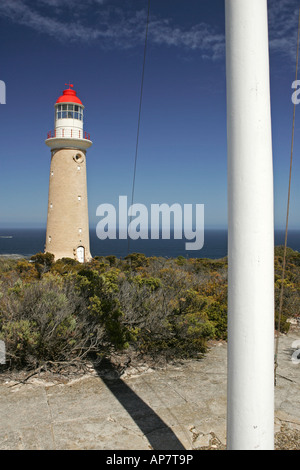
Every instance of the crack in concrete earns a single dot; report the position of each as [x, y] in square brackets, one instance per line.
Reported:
[51, 418]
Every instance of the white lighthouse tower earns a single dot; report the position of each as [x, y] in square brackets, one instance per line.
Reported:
[67, 222]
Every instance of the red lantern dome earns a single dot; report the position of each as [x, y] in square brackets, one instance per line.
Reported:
[69, 96]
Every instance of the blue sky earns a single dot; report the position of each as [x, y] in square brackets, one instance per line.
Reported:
[98, 46]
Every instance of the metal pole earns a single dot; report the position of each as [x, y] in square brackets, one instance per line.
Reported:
[250, 399]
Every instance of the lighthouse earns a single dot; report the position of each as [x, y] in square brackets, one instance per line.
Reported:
[67, 233]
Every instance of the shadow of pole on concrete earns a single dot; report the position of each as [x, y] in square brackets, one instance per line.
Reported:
[156, 431]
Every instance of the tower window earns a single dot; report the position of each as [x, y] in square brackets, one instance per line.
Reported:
[49, 239]
[79, 198]
[78, 113]
[79, 158]
[69, 111]
[51, 205]
[78, 168]
[80, 230]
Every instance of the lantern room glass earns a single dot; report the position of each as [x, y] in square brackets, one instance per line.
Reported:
[69, 111]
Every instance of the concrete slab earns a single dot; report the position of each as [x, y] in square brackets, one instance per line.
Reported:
[175, 408]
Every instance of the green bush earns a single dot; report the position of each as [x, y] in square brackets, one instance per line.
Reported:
[63, 311]
[217, 315]
[47, 320]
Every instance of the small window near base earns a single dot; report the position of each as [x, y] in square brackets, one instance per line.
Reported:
[79, 158]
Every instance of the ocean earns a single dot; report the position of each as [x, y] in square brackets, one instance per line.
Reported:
[27, 242]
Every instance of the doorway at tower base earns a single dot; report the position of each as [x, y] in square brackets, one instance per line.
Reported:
[80, 254]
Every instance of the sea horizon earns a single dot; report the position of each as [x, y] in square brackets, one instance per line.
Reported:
[26, 242]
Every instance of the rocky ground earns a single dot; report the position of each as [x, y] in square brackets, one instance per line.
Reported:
[174, 407]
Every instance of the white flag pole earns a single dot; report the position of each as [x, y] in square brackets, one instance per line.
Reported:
[250, 408]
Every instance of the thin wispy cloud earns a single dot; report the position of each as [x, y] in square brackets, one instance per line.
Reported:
[283, 26]
[115, 27]
[112, 27]
[48, 22]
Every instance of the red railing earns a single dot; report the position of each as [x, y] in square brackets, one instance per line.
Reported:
[68, 133]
